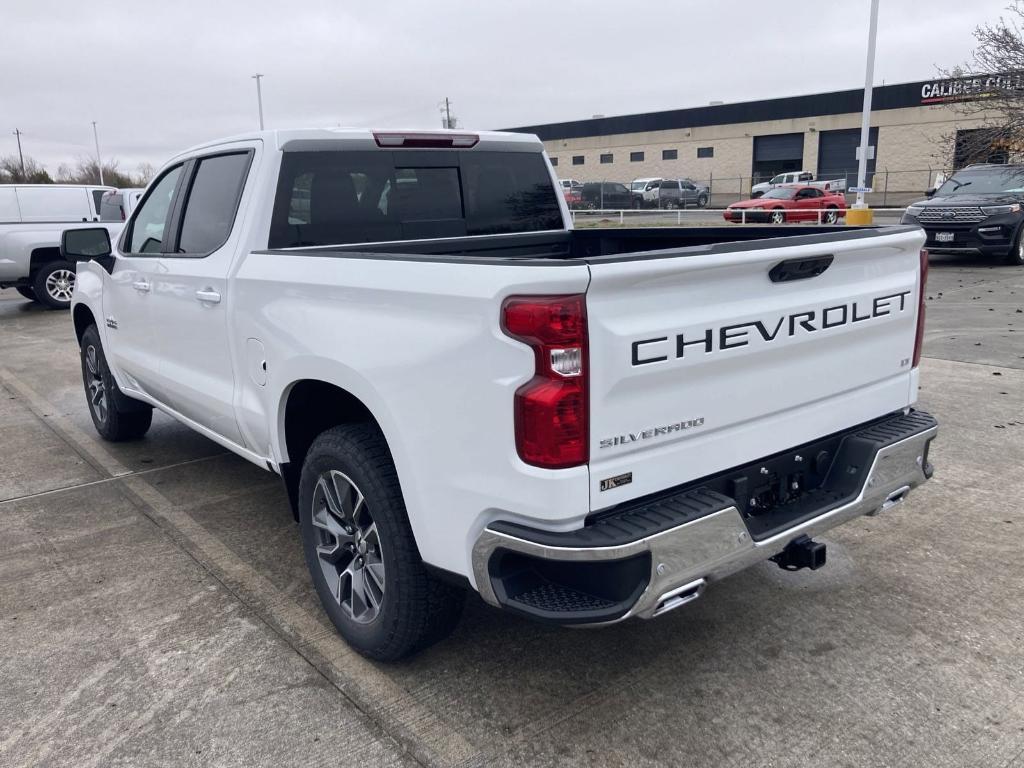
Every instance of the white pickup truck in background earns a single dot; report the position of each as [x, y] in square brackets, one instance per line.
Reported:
[32, 218]
[803, 178]
[460, 390]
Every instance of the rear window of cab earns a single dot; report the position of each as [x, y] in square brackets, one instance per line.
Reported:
[344, 197]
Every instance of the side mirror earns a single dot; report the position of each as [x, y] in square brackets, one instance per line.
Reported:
[930, 192]
[92, 244]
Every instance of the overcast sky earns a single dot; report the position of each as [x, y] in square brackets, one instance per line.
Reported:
[161, 76]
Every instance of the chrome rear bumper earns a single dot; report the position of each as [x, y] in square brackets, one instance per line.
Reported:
[685, 558]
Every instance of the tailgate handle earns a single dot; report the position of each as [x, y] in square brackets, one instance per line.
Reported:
[799, 269]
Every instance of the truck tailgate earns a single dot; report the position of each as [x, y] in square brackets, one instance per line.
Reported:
[700, 360]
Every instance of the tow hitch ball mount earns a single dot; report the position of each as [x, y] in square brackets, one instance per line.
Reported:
[801, 552]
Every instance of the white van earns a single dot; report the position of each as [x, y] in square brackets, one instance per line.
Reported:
[65, 203]
[32, 218]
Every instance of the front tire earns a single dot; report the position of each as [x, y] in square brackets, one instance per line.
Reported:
[831, 215]
[27, 292]
[54, 283]
[361, 552]
[112, 420]
[1015, 257]
[778, 216]
[702, 201]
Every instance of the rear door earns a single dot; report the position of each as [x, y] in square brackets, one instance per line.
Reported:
[700, 362]
[196, 378]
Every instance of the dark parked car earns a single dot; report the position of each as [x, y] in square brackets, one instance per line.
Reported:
[605, 194]
[978, 209]
[676, 193]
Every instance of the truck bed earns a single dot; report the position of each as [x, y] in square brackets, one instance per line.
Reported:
[603, 245]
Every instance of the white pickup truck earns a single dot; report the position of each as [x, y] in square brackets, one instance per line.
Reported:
[32, 218]
[804, 178]
[460, 390]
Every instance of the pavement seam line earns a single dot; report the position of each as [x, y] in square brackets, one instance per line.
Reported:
[428, 730]
[104, 480]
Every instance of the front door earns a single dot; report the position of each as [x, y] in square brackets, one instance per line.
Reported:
[134, 351]
[191, 291]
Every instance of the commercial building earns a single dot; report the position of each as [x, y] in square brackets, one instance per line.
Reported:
[915, 129]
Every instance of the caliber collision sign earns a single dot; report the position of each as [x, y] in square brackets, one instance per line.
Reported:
[960, 89]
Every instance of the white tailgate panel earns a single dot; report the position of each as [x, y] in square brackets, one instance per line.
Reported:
[757, 396]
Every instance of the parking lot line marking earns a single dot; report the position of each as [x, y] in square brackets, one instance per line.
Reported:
[86, 447]
[366, 686]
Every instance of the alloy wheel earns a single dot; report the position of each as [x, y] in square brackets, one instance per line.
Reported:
[778, 217]
[60, 284]
[97, 391]
[831, 217]
[348, 546]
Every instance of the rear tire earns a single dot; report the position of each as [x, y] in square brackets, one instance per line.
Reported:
[361, 552]
[54, 283]
[113, 422]
[27, 292]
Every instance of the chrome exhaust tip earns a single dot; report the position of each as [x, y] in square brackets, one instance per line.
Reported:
[679, 596]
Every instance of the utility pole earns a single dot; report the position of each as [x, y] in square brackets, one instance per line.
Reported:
[446, 109]
[21, 157]
[99, 160]
[259, 96]
[861, 213]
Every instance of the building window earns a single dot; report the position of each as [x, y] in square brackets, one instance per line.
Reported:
[554, 160]
[607, 158]
[636, 157]
[577, 159]
[705, 151]
[670, 154]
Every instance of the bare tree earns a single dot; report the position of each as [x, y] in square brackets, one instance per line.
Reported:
[989, 90]
[144, 173]
[10, 171]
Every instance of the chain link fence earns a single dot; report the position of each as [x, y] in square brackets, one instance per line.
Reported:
[890, 188]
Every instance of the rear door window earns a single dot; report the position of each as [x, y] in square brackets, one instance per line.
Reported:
[339, 197]
[212, 202]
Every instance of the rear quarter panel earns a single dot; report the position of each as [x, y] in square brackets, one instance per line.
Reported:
[419, 343]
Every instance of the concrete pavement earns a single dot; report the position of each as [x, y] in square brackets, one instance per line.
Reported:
[155, 608]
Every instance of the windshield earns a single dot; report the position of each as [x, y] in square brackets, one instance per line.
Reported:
[638, 186]
[781, 178]
[984, 181]
[782, 193]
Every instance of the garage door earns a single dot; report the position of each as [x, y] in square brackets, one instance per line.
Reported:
[837, 154]
[777, 154]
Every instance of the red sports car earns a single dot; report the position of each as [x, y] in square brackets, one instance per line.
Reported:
[794, 203]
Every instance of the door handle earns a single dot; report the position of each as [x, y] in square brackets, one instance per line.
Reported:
[208, 295]
[141, 286]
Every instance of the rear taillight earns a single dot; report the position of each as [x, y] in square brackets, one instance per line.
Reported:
[919, 339]
[551, 408]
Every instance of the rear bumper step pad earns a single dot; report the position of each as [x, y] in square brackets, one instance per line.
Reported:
[626, 560]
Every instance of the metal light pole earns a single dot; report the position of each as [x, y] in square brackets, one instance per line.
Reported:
[862, 215]
[99, 160]
[259, 96]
